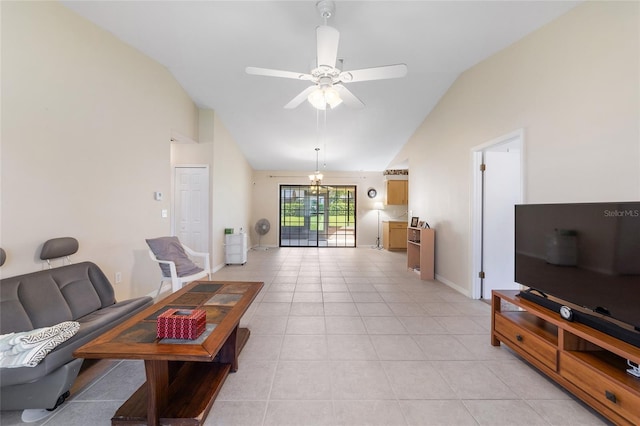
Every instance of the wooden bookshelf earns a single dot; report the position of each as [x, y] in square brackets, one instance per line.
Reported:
[420, 251]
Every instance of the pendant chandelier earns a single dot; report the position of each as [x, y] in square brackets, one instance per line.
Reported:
[316, 178]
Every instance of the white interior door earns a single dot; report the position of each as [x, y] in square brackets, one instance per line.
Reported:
[502, 191]
[191, 207]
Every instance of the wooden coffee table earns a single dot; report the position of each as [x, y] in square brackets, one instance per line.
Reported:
[183, 376]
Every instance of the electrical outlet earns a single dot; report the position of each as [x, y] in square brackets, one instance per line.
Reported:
[118, 277]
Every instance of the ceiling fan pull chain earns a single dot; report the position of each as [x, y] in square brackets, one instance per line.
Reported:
[324, 125]
[324, 154]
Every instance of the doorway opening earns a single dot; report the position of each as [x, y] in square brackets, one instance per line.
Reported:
[498, 187]
[317, 216]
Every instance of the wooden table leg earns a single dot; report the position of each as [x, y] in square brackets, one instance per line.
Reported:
[157, 389]
[228, 352]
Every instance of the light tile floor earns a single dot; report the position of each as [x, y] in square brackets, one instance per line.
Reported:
[350, 337]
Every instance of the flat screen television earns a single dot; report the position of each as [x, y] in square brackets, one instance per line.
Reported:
[585, 256]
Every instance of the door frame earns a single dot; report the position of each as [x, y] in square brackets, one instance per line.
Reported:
[174, 198]
[477, 197]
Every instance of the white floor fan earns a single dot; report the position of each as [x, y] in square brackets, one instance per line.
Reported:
[262, 227]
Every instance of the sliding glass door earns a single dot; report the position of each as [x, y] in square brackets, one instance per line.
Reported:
[317, 216]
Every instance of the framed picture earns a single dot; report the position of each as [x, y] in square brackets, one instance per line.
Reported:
[421, 224]
[414, 221]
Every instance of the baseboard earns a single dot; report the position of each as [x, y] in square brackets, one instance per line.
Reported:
[454, 286]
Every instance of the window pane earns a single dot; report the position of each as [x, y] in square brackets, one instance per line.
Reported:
[317, 216]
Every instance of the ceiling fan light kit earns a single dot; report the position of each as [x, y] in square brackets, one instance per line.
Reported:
[323, 96]
[328, 88]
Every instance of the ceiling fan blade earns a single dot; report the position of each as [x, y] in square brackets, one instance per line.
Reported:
[348, 98]
[327, 39]
[277, 73]
[376, 73]
[302, 96]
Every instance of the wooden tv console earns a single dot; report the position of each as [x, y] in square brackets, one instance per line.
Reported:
[590, 364]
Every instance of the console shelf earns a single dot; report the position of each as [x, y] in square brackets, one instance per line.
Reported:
[588, 363]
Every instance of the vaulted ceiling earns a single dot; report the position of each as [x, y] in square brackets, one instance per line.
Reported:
[206, 45]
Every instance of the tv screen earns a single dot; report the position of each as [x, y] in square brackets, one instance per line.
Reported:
[587, 254]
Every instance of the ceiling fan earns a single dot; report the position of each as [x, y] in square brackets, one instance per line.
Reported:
[328, 80]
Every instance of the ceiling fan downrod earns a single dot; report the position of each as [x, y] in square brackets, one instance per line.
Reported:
[326, 8]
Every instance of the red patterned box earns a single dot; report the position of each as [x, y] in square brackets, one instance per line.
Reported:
[181, 323]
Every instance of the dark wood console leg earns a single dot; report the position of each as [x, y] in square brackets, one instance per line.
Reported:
[495, 307]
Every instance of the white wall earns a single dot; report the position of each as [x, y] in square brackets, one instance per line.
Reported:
[573, 86]
[86, 126]
[232, 189]
[230, 178]
[266, 188]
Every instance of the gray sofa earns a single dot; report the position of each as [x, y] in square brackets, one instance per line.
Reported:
[75, 292]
